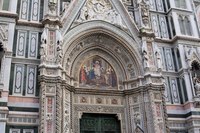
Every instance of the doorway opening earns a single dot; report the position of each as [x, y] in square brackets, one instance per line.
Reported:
[99, 123]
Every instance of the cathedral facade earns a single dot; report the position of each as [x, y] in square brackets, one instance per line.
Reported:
[99, 66]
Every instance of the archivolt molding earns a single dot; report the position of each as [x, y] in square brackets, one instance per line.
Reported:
[75, 36]
[193, 58]
[105, 47]
[97, 26]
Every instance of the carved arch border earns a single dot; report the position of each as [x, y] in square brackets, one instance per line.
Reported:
[193, 58]
[92, 27]
[80, 109]
[195, 61]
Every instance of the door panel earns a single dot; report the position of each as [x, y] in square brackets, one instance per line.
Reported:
[99, 123]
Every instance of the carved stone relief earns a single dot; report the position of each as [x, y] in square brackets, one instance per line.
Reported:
[135, 111]
[51, 50]
[59, 49]
[158, 57]
[158, 111]
[59, 116]
[51, 89]
[66, 111]
[4, 34]
[95, 99]
[43, 46]
[144, 14]
[100, 10]
[52, 4]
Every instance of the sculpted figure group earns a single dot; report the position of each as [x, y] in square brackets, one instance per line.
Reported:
[100, 10]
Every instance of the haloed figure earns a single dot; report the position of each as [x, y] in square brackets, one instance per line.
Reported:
[83, 76]
[97, 69]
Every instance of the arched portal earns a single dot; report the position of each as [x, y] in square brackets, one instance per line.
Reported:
[98, 59]
[110, 43]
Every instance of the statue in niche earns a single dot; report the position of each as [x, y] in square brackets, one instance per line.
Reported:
[188, 52]
[145, 55]
[158, 57]
[59, 53]
[137, 118]
[96, 72]
[59, 46]
[43, 46]
[196, 77]
[144, 13]
[68, 63]
[197, 85]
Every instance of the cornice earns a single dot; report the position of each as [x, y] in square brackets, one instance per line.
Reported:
[8, 14]
[48, 79]
[178, 38]
[116, 92]
[25, 61]
[30, 23]
[99, 92]
[53, 21]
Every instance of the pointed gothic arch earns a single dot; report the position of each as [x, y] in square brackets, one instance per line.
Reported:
[195, 68]
[105, 40]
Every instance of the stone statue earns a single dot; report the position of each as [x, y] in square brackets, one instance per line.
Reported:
[59, 53]
[196, 85]
[158, 57]
[144, 13]
[145, 55]
[59, 41]
[65, 7]
[43, 46]
[188, 52]
[59, 38]
[84, 14]
[137, 118]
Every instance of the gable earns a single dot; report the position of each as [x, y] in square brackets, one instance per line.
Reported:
[100, 10]
[111, 11]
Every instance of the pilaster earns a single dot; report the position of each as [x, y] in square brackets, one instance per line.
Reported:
[50, 68]
[13, 6]
[175, 20]
[6, 40]
[154, 108]
[172, 3]
[194, 26]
